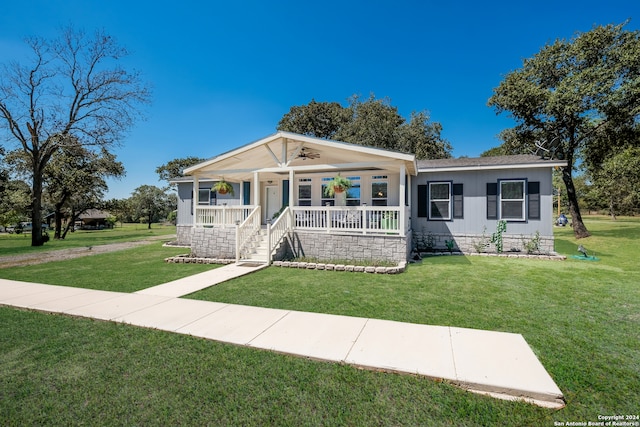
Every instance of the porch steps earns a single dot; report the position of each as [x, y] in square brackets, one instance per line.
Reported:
[258, 250]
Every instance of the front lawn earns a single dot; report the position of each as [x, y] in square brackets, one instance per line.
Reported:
[581, 319]
[16, 244]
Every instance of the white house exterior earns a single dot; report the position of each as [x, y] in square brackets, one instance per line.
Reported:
[279, 208]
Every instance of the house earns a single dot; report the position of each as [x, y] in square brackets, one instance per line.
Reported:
[279, 207]
[93, 219]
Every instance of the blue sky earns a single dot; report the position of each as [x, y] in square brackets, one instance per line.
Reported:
[224, 73]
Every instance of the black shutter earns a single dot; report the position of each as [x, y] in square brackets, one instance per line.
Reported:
[492, 200]
[533, 194]
[285, 192]
[422, 201]
[246, 193]
[458, 201]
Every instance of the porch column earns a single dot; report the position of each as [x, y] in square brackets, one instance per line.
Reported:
[196, 196]
[291, 185]
[402, 202]
[256, 189]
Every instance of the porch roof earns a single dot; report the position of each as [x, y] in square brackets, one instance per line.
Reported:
[281, 152]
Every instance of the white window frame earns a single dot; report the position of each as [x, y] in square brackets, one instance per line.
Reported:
[308, 183]
[522, 201]
[380, 201]
[449, 200]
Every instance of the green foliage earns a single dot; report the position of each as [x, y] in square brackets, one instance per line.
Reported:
[617, 182]
[174, 168]
[496, 238]
[150, 204]
[483, 243]
[319, 119]
[372, 122]
[531, 246]
[569, 93]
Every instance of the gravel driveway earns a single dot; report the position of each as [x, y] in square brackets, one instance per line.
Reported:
[63, 254]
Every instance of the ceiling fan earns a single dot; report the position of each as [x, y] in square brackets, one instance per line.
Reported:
[307, 154]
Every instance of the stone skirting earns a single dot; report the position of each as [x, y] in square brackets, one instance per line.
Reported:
[469, 243]
[213, 242]
[349, 247]
[184, 233]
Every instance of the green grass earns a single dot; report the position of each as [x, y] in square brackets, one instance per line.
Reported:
[582, 320]
[15, 244]
[128, 270]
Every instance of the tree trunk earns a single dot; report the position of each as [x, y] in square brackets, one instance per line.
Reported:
[36, 206]
[58, 226]
[611, 210]
[579, 229]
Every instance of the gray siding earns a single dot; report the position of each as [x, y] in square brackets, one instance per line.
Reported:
[475, 205]
[185, 200]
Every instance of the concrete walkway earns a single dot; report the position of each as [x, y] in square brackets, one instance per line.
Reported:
[495, 363]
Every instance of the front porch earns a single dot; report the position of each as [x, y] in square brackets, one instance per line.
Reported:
[353, 233]
[279, 194]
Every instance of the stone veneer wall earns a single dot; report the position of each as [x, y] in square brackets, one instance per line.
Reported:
[213, 242]
[466, 242]
[349, 247]
[184, 234]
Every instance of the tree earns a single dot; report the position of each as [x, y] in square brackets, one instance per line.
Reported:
[173, 169]
[319, 119]
[618, 182]
[74, 180]
[150, 202]
[373, 122]
[72, 89]
[570, 91]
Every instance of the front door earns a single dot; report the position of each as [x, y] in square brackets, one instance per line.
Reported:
[272, 201]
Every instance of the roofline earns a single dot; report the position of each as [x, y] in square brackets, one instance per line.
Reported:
[494, 167]
[303, 138]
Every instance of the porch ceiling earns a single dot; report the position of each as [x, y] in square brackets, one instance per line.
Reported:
[279, 153]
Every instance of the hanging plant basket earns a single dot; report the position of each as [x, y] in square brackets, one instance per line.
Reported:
[337, 185]
[222, 187]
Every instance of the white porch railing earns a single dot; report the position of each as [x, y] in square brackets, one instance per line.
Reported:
[247, 230]
[222, 216]
[356, 219]
[277, 230]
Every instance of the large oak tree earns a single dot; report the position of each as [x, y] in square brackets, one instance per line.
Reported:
[72, 88]
[568, 95]
[371, 122]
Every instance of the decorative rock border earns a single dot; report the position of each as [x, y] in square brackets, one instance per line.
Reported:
[400, 268]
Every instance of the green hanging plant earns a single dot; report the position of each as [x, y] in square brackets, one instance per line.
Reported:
[337, 185]
[222, 187]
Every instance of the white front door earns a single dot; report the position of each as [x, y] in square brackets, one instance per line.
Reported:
[272, 201]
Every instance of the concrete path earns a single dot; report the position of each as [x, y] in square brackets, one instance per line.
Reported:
[191, 284]
[495, 363]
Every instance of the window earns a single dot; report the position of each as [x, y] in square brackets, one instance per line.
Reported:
[353, 193]
[379, 188]
[326, 199]
[304, 192]
[204, 196]
[512, 200]
[458, 201]
[439, 200]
